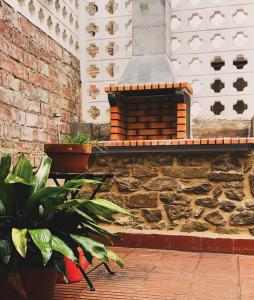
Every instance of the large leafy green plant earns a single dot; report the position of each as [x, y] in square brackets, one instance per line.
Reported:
[39, 225]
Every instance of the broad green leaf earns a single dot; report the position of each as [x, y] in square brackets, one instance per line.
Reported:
[20, 240]
[43, 240]
[71, 204]
[83, 214]
[2, 209]
[112, 207]
[60, 267]
[112, 255]
[61, 193]
[95, 248]
[19, 192]
[99, 208]
[75, 183]
[41, 176]
[44, 196]
[5, 166]
[5, 250]
[23, 169]
[6, 193]
[60, 246]
[98, 230]
[11, 179]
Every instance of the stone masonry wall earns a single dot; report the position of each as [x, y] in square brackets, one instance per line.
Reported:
[37, 78]
[211, 192]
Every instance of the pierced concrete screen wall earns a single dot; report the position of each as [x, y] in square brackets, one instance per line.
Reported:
[106, 37]
[58, 18]
[211, 47]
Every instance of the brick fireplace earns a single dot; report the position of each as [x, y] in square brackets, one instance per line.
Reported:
[156, 111]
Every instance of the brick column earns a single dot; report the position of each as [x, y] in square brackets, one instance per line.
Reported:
[117, 126]
[181, 121]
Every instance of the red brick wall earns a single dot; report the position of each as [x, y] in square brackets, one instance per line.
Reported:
[37, 78]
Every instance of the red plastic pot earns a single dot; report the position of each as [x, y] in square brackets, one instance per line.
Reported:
[68, 158]
[72, 272]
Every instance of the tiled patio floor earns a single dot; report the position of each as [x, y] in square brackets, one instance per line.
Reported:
[169, 275]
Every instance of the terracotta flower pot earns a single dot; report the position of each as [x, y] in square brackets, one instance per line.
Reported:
[68, 158]
[39, 284]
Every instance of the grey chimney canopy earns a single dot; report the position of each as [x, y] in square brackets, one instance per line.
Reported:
[148, 68]
[150, 62]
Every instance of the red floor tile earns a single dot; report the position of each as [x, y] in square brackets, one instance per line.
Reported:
[169, 275]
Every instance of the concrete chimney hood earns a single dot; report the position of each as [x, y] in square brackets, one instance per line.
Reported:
[149, 63]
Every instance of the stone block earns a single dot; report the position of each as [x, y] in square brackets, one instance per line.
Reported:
[224, 176]
[114, 198]
[186, 172]
[225, 165]
[128, 185]
[198, 189]
[107, 185]
[160, 160]
[233, 185]
[215, 218]
[143, 200]
[176, 205]
[161, 184]
[193, 226]
[227, 206]
[178, 211]
[174, 198]
[194, 160]
[242, 218]
[120, 171]
[199, 212]
[152, 215]
[249, 205]
[141, 171]
[207, 202]
[235, 194]
[251, 183]
[217, 192]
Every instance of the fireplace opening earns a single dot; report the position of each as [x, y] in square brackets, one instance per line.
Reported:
[150, 111]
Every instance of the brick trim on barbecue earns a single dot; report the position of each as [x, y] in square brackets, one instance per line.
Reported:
[179, 142]
[149, 86]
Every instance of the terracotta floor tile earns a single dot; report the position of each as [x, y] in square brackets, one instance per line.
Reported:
[168, 275]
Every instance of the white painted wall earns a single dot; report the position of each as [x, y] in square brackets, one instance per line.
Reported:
[96, 103]
[203, 29]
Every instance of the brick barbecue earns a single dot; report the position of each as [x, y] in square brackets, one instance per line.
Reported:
[151, 111]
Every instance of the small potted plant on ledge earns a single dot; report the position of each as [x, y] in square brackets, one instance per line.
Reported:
[71, 154]
[41, 225]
